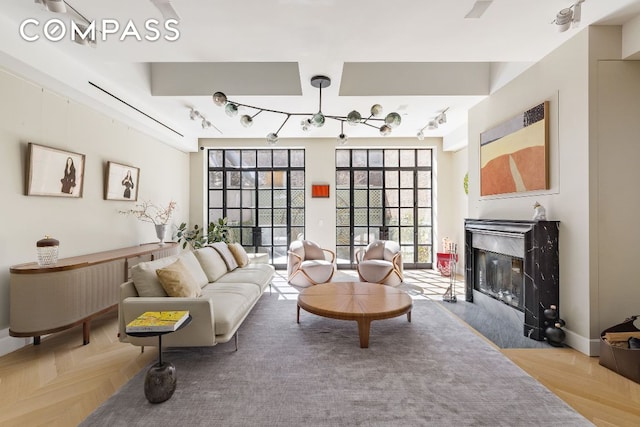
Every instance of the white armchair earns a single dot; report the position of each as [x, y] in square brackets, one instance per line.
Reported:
[380, 262]
[309, 264]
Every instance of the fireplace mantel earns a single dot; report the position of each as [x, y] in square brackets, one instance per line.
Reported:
[536, 243]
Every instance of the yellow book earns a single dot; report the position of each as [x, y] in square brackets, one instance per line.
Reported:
[158, 321]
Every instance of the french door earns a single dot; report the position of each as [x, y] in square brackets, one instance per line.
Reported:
[384, 194]
[262, 195]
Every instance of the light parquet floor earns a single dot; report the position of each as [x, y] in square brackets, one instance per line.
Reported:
[61, 381]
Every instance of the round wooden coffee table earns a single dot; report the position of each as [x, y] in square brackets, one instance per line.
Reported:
[359, 301]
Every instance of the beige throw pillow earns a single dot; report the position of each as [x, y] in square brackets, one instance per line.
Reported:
[226, 255]
[177, 281]
[211, 262]
[145, 278]
[239, 254]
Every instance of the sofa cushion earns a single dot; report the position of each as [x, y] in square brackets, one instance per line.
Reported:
[256, 274]
[194, 268]
[177, 281]
[145, 278]
[381, 249]
[239, 254]
[231, 303]
[312, 250]
[211, 262]
[226, 255]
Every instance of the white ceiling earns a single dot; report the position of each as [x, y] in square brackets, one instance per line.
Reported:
[414, 57]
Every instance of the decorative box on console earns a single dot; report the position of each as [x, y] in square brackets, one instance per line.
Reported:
[516, 263]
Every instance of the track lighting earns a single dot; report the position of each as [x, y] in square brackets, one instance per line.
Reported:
[195, 114]
[432, 124]
[569, 16]
[56, 6]
[313, 120]
[82, 28]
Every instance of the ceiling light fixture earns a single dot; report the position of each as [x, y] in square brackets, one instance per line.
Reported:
[432, 124]
[392, 120]
[89, 41]
[569, 16]
[342, 138]
[166, 9]
[57, 6]
[195, 114]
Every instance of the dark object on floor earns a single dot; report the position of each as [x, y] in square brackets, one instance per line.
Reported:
[634, 343]
[625, 361]
[553, 327]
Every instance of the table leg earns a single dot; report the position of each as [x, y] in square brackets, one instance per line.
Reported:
[298, 319]
[160, 381]
[409, 317]
[364, 327]
[86, 331]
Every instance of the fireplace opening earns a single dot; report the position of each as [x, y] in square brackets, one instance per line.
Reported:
[500, 276]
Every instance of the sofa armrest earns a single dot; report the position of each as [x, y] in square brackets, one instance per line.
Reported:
[201, 330]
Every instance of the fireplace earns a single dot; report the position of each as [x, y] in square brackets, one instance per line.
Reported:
[513, 263]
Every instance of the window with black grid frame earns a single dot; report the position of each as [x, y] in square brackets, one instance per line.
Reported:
[261, 192]
[384, 194]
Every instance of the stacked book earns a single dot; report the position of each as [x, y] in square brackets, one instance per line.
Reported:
[158, 321]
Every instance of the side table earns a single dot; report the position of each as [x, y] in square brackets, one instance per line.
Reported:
[160, 380]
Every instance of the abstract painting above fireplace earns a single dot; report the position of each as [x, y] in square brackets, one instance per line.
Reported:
[514, 156]
[516, 263]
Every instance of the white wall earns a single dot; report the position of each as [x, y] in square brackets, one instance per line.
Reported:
[618, 151]
[459, 207]
[565, 78]
[320, 167]
[31, 113]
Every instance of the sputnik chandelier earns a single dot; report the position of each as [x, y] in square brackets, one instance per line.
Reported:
[354, 118]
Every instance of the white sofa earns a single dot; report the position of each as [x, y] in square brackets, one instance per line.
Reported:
[228, 295]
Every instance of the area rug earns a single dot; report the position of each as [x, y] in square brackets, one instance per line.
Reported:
[432, 371]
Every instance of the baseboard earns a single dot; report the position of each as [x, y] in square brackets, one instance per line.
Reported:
[9, 344]
[583, 345]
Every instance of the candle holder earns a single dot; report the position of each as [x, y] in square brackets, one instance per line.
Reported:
[47, 249]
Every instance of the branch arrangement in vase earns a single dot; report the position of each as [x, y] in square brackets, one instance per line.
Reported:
[150, 212]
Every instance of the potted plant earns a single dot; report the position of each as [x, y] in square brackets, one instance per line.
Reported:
[217, 231]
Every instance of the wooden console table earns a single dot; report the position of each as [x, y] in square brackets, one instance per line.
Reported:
[44, 300]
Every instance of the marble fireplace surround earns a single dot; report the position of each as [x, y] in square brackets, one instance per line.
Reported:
[536, 242]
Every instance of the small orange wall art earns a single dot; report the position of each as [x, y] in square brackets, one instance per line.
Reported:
[514, 156]
[320, 190]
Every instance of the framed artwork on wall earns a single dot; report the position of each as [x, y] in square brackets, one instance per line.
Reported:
[54, 172]
[320, 190]
[514, 156]
[121, 182]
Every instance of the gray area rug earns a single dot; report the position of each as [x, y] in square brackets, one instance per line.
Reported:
[432, 371]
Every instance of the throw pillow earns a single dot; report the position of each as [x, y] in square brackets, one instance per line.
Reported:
[211, 262]
[145, 278]
[239, 254]
[226, 255]
[194, 268]
[177, 281]
[375, 250]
